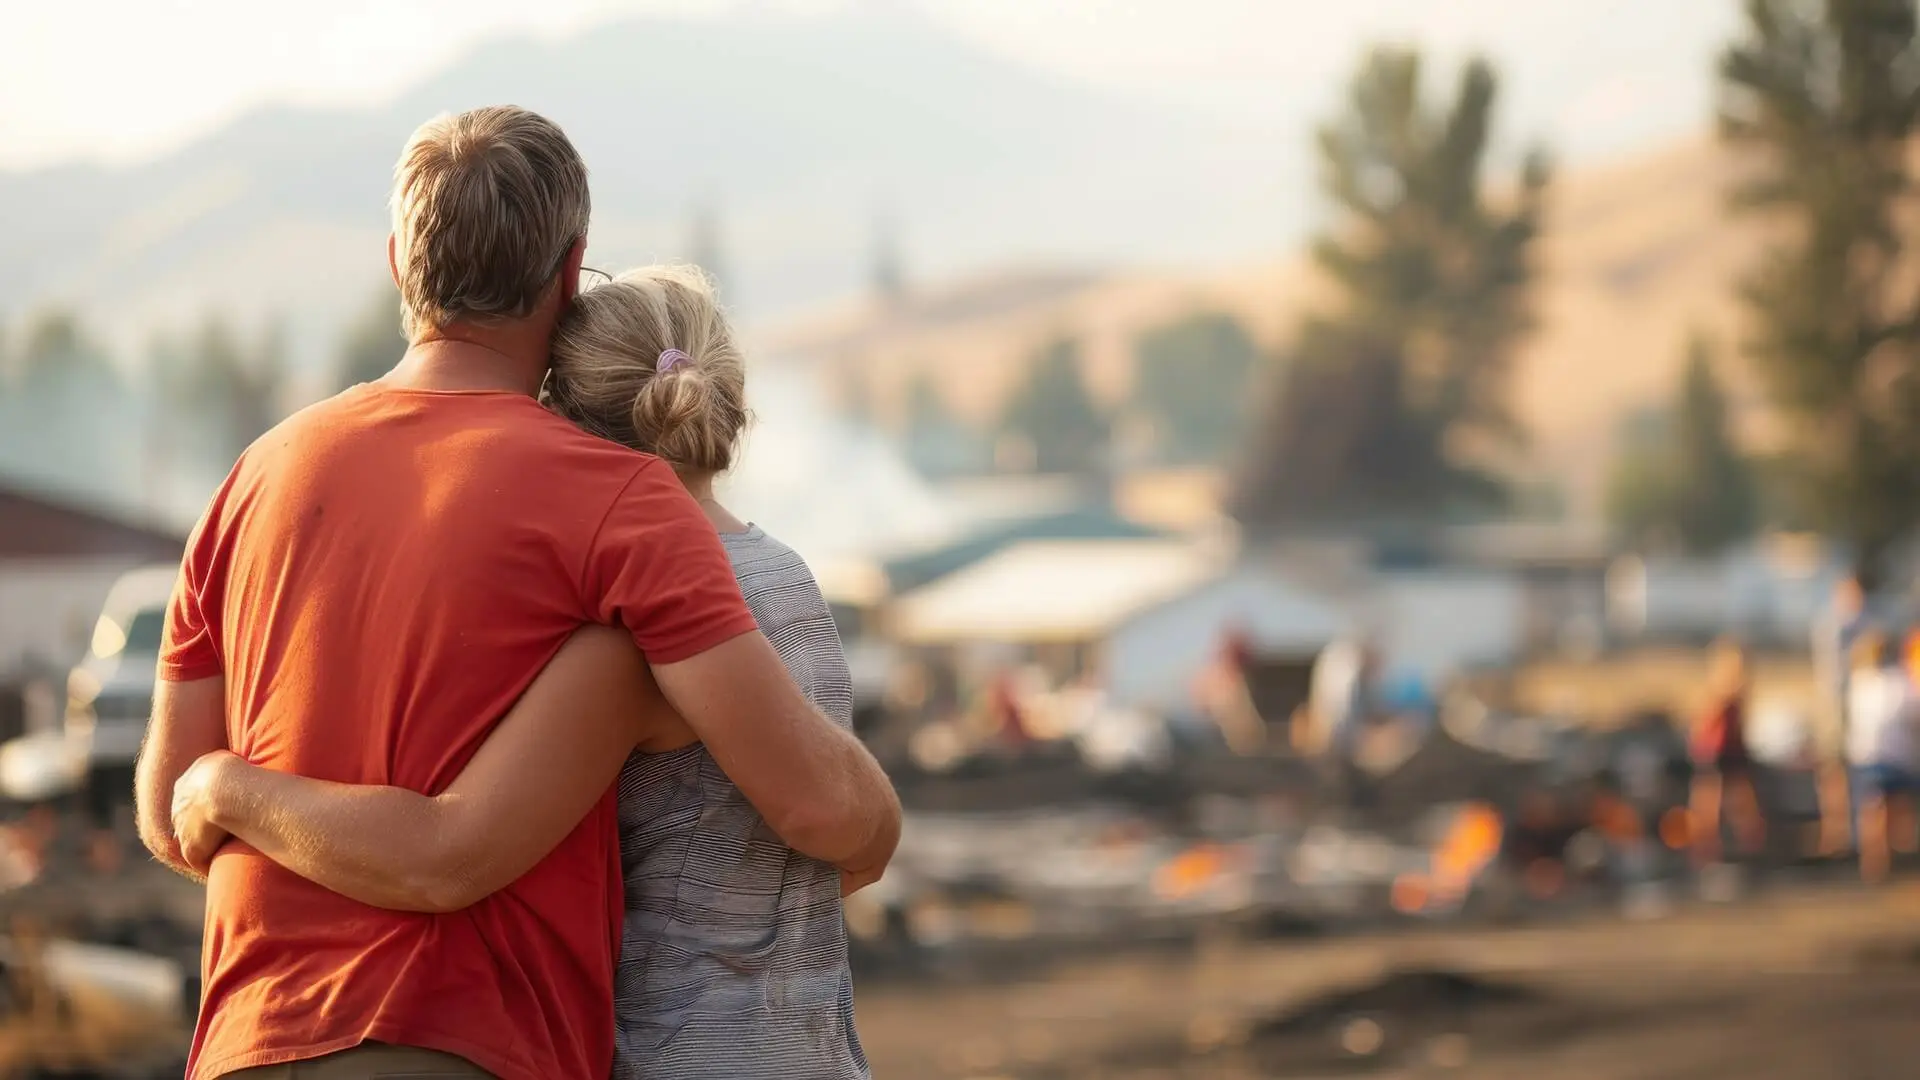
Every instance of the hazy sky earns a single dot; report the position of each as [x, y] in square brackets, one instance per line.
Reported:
[122, 79]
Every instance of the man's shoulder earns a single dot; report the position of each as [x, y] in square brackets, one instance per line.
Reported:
[504, 420]
[321, 415]
[470, 450]
[335, 417]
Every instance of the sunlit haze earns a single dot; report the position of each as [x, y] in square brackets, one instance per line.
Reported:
[1307, 537]
[120, 80]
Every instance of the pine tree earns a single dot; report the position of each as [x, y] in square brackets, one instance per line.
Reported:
[219, 393]
[57, 354]
[1394, 404]
[1824, 97]
[373, 344]
[1725, 503]
[937, 443]
[258, 385]
[1192, 384]
[1054, 413]
[1688, 483]
[69, 419]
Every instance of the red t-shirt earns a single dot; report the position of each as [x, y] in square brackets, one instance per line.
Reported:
[379, 578]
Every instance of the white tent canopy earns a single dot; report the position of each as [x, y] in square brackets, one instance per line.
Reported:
[1153, 657]
[1058, 591]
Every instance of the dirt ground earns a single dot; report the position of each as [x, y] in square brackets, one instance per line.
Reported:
[1819, 985]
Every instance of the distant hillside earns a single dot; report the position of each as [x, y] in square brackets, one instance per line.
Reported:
[1635, 254]
[800, 129]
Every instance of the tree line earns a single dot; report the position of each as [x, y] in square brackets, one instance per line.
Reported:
[1188, 406]
[73, 418]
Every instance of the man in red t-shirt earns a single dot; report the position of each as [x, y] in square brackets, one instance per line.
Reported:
[381, 577]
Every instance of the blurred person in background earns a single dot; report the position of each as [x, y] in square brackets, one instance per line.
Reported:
[734, 960]
[1340, 694]
[1226, 697]
[382, 577]
[1008, 710]
[1722, 765]
[1341, 701]
[1407, 699]
[1882, 710]
[1834, 631]
[1534, 843]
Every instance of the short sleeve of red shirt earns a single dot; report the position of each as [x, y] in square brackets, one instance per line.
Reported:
[657, 568]
[190, 641]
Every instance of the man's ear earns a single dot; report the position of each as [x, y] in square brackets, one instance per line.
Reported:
[570, 273]
[393, 258]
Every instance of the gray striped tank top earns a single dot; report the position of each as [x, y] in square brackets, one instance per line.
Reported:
[734, 959]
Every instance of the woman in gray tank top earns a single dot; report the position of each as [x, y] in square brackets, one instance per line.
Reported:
[733, 960]
[734, 956]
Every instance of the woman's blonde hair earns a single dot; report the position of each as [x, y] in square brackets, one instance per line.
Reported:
[608, 356]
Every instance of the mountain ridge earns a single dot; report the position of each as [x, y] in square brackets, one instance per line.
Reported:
[797, 127]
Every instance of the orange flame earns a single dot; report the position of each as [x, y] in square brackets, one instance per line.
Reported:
[1470, 843]
[1676, 828]
[1188, 872]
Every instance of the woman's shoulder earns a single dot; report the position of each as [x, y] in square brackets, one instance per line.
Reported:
[773, 576]
[754, 550]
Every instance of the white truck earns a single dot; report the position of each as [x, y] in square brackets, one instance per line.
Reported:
[110, 692]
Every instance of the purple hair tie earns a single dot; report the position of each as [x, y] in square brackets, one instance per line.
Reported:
[670, 359]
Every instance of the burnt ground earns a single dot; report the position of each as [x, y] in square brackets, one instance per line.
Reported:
[1819, 985]
[1799, 982]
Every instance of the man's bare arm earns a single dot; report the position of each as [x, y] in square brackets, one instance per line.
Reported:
[811, 779]
[540, 771]
[189, 720]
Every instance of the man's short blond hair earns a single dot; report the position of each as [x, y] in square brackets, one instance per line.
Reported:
[486, 205]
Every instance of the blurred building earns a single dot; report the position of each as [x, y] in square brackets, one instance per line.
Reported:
[1056, 602]
[57, 560]
[1768, 592]
[1562, 571]
[1154, 655]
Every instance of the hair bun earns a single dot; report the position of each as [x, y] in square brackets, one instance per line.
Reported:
[649, 361]
[673, 415]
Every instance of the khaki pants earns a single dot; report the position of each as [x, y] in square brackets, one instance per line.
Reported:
[371, 1061]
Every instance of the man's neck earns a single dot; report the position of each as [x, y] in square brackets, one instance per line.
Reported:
[512, 359]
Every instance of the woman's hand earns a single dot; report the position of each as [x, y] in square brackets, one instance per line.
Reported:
[194, 800]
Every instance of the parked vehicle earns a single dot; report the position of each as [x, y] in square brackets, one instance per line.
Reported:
[110, 693]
